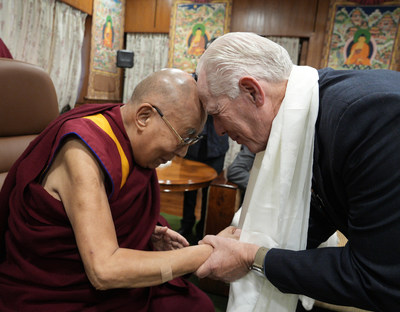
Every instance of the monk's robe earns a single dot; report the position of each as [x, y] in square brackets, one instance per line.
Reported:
[41, 269]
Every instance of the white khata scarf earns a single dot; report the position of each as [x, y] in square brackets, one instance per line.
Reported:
[275, 210]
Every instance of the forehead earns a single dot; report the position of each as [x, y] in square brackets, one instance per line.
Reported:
[187, 123]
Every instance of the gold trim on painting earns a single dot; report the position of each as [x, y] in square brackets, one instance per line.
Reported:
[362, 36]
[104, 75]
[196, 26]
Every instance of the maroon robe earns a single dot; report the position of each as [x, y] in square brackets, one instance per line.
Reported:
[4, 52]
[42, 269]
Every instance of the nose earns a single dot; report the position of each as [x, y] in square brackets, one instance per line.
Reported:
[219, 129]
[181, 151]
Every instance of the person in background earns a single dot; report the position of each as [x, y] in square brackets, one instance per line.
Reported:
[211, 150]
[238, 171]
[80, 228]
[338, 129]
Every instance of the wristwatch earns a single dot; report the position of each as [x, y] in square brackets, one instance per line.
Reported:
[258, 264]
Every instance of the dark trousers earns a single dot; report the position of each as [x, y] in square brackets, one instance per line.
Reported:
[190, 198]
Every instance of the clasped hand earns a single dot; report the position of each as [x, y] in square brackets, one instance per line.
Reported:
[230, 259]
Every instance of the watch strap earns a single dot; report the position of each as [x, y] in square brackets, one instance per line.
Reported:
[258, 264]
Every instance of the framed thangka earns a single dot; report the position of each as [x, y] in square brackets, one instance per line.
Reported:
[362, 36]
[193, 26]
[107, 38]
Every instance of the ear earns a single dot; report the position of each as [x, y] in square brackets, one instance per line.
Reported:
[143, 116]
[251, 86]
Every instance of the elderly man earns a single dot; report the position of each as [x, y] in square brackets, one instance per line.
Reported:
[83, 205]
[338, 129]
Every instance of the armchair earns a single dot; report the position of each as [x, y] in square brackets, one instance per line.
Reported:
[28, 104]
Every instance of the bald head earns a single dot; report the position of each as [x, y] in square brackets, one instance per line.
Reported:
[153, 132]
[169, 89]
[174, 92]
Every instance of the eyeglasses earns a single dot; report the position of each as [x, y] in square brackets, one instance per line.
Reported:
[183, 142]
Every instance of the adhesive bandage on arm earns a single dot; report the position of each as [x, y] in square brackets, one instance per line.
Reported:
[166, 272]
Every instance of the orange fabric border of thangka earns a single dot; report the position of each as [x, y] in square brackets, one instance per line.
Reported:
[199, 24]
[337, 52]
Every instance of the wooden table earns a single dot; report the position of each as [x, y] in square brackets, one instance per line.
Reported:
[184, 175]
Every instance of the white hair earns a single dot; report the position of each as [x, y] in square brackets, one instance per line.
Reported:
[238, 54]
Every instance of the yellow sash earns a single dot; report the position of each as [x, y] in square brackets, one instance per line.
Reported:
[103, 123]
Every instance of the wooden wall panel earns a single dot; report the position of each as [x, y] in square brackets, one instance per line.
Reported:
[316, 43]
[85, 61]
[83, 5]
[145, 16]
[163, 15]
[292, 18]
[139, 15]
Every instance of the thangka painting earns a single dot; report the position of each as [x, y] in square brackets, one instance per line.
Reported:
[193, 26]
[362, 36]
[107, 38]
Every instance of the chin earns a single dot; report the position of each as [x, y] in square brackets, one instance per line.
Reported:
[155, 164]
[152, 166]
[255, 148]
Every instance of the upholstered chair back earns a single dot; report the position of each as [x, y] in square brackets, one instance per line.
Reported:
[28, 103]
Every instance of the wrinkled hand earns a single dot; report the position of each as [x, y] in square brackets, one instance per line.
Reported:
[164, 238]
[230, 259]
[230, 232]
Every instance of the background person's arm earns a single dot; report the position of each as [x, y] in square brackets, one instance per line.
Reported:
[239, 171]
[77, 180]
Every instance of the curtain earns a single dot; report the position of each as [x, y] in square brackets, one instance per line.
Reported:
[291, 45]
[49, 34]
[230, 155]
[26, 29]
[65, 65]
[151, 54]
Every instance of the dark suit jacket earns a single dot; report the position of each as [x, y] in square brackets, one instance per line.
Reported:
[356, 177]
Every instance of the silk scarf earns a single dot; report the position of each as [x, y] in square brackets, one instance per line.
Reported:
[275, 210]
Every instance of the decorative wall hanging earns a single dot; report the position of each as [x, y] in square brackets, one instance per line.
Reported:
[107, 38]
[362, 36]
[194, 24]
